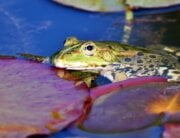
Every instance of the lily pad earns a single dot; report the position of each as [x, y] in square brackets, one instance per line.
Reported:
[33, 99]
[152, 3]
[94, 5]
[115, 5]
[171, 130]
[132, 108]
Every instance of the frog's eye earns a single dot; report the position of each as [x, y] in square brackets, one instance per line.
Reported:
[70, 41]
[89, 48]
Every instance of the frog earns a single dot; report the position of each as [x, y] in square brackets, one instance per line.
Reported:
[86, 60]
[116, 61]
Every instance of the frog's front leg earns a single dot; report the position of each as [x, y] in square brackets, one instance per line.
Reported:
[36, 58]
[114, 76]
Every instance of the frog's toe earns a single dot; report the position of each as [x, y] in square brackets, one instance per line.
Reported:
[32, 57]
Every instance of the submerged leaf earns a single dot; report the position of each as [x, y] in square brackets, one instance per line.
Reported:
[33, 99]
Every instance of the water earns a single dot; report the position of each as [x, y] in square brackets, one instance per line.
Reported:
[40, 27]
[153, 132]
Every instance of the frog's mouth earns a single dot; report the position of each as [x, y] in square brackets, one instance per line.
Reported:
[75, 66]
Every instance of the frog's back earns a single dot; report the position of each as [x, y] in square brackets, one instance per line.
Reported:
[114, 57]
[170, 62]
[151, 62]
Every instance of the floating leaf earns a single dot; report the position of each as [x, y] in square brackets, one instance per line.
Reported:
[99, 91]
[171, 130]
[152, 3]
[33, 99]
[115, 5]
[94, 5]
[128, 108]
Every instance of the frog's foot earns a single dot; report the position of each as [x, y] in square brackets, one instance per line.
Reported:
[114, 76]
[36, 58]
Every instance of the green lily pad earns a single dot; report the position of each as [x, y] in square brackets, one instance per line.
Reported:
[115, 5]
[94, 5]
[152, 3]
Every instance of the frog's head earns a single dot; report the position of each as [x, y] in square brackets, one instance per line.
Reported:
[80, 55]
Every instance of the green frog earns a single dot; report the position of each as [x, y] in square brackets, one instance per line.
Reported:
[117, 61]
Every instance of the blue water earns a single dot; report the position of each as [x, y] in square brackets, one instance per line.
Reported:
[153, 132]
[40, 27]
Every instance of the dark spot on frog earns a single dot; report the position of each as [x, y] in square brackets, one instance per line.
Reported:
[165, 61]
[133, 71]
[145, 71]
[139, 61]
[176, 72]
[127, 59]
[152, 56]
[103, 66]
[140, 54]
[151, 66]
[127, 69]
[139, 69]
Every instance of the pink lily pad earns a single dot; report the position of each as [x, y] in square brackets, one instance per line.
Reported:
[171, 130]
[99, 91]
[132, 107]
[34, 100]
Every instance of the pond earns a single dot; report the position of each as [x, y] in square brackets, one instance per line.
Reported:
[40, 27]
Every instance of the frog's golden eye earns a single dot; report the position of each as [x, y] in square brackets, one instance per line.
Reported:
[70, 41]
[89, 48]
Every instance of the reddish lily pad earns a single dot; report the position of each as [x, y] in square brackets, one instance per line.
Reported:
[33, 99]
[98, 91]
[171, 130]
[130, 108]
